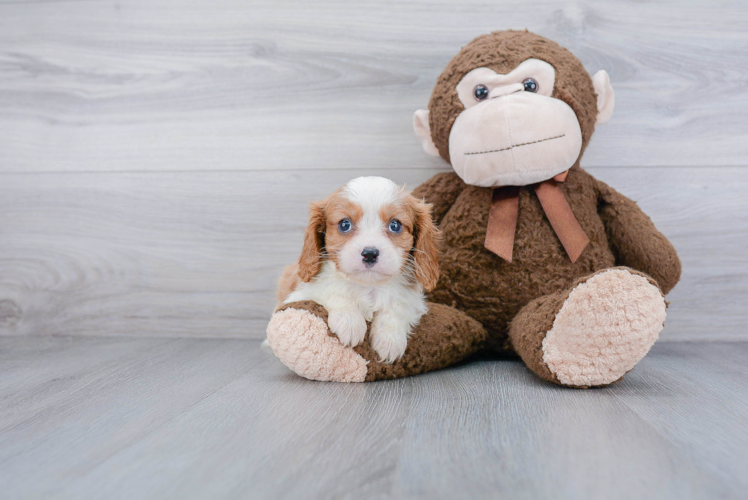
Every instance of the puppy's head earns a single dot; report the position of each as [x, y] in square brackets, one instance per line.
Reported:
[372, 230]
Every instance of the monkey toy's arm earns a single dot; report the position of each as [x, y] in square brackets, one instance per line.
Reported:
[635, 241]
[440, 191]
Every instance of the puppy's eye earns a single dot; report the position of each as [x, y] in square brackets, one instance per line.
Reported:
[344, 226]
[396, 226]
[530, 85]
[480, 92]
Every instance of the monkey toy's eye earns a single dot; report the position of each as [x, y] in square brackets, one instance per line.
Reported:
[344, 226]
[530, 85]
[480, 92]
[396, 226]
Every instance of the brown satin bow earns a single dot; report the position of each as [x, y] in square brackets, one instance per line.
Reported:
[502, 218]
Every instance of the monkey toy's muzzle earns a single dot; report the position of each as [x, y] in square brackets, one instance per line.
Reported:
[514, 140]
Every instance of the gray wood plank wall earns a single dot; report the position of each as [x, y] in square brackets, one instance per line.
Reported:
[156, 159]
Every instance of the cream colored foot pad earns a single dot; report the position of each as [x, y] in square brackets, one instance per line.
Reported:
[604, 328]
[300, 340]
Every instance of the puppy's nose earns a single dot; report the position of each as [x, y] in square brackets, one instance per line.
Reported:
[370, 255]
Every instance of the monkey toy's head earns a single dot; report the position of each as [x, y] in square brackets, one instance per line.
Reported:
[512, 109]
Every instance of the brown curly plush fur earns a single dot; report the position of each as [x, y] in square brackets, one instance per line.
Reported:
[492, 290]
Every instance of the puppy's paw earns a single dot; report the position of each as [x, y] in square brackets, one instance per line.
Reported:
[348, 325]
[389, 337]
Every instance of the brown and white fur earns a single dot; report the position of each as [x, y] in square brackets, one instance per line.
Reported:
[338, 270]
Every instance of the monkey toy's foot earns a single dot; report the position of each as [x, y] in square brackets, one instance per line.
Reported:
[300, 338]
[593, 333]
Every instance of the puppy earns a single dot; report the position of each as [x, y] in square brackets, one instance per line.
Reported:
[369, 253]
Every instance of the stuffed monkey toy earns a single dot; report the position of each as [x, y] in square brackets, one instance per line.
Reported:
[539, 258]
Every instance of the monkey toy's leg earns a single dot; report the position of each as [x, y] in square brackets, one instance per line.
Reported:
[300, 338]
[592, 333]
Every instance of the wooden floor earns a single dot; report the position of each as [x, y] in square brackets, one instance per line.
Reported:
[219, 418]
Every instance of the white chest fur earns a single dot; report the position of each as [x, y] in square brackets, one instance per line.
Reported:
[393, 307]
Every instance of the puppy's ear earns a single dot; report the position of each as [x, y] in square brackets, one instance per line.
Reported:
[426, 250]
[314, 242]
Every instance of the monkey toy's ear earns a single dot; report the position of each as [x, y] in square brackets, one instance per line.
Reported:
[423, 131]
[606, 99]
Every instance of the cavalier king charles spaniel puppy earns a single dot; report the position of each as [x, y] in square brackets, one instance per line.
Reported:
[369, 253]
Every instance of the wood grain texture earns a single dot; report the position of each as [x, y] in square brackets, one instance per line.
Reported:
[231, 85]
[198, 254]
[223, 419]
